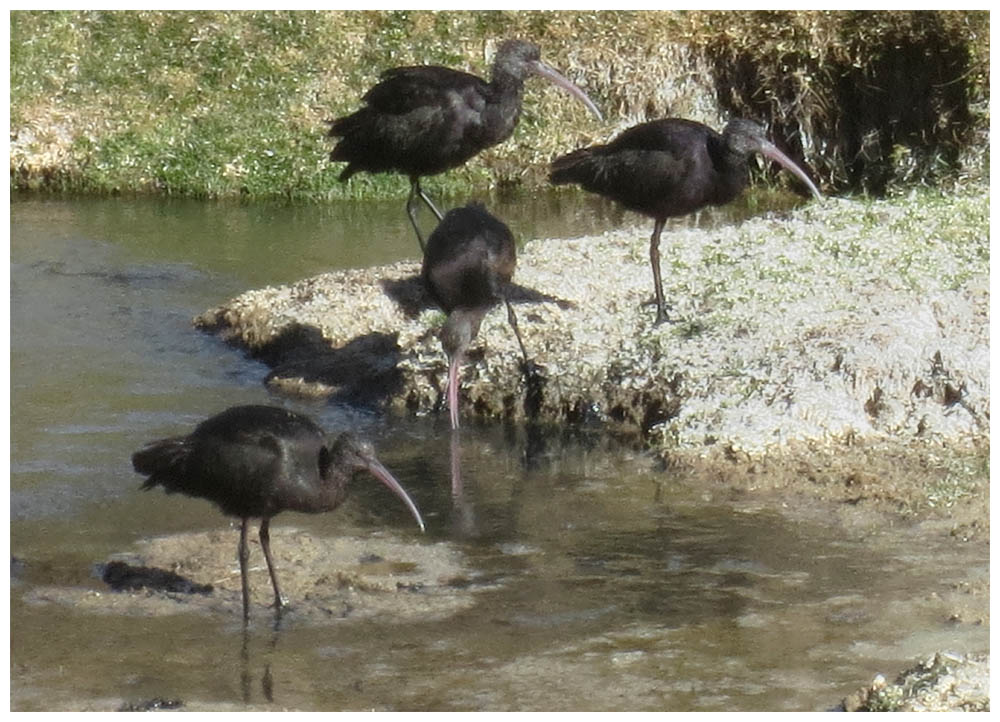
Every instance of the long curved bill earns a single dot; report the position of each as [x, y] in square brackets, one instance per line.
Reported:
[383, 475]
[554, 76]
[453, 366]
[771, 151]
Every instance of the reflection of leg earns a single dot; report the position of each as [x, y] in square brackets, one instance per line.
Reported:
[265, 544]
[456, 468]
[244, 554]
[267, 683]
[246, 677]
[245, 665]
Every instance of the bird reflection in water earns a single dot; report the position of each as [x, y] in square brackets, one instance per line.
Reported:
[246, 675]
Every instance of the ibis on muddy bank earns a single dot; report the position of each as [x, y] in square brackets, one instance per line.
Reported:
[424, 120]
[257, 461]
[468, 264]
[671, 167]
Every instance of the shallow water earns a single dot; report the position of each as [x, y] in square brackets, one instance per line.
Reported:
[602, 582]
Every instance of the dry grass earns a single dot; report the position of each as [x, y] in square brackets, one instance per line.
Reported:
[232, 103]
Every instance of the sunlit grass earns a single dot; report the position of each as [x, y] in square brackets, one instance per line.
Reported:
[213, 103]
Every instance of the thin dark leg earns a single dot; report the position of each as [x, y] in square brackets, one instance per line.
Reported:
[244, 554]
[654, 261]
[265, 544]
[411, 211]
[534, 377]
[428, 201]
[512, 320]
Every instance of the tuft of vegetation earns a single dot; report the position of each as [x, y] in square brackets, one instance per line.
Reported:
[231, 104]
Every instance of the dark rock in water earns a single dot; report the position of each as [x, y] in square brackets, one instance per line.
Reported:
[121, 577]
[151, 705]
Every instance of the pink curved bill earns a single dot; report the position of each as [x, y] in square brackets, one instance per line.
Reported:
[553, 75]
[771, 151]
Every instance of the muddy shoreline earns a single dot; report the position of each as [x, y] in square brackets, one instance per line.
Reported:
[846, 341]
[839, 352]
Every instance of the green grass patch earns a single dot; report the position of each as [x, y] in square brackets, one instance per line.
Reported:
[217, 104]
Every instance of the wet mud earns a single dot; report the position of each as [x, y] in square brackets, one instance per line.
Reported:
[340, 578]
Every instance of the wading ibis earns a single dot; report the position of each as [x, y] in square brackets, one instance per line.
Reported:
[671, 167]
[257, 461]
[424, 120]
[468, 264]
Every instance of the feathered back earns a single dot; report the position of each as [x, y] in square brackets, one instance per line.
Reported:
[469, 256]
[573, 167]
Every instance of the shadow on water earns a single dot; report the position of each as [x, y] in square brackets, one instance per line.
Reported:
[582, 580]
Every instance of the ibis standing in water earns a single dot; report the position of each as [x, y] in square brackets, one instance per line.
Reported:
[671, 167]
[257, 461]
[468, 264]
[424, 120]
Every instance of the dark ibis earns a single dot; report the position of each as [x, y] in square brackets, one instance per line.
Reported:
[468, 264]
[671, 167]
[424, 120]
[257, 461]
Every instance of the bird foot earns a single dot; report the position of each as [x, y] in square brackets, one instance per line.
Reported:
[661, 312]
[532, 371]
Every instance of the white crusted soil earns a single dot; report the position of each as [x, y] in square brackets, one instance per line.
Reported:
[841, 321]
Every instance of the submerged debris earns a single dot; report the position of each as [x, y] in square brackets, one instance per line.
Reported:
[151, 705]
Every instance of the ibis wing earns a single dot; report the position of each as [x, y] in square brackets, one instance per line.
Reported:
[403, 90]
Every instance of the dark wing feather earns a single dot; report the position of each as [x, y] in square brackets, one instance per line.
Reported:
[417, 120]
[403, 90]
[162, 461]
[646, 168]
[470, 256]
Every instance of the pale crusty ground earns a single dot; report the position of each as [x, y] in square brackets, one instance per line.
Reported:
[845, 325]
[837, 352]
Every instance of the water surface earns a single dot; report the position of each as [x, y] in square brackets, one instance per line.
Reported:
[612, 585]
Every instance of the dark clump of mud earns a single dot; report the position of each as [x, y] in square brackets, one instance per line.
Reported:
[122, 577]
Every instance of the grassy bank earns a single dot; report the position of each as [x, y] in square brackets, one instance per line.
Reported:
[231, 104]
